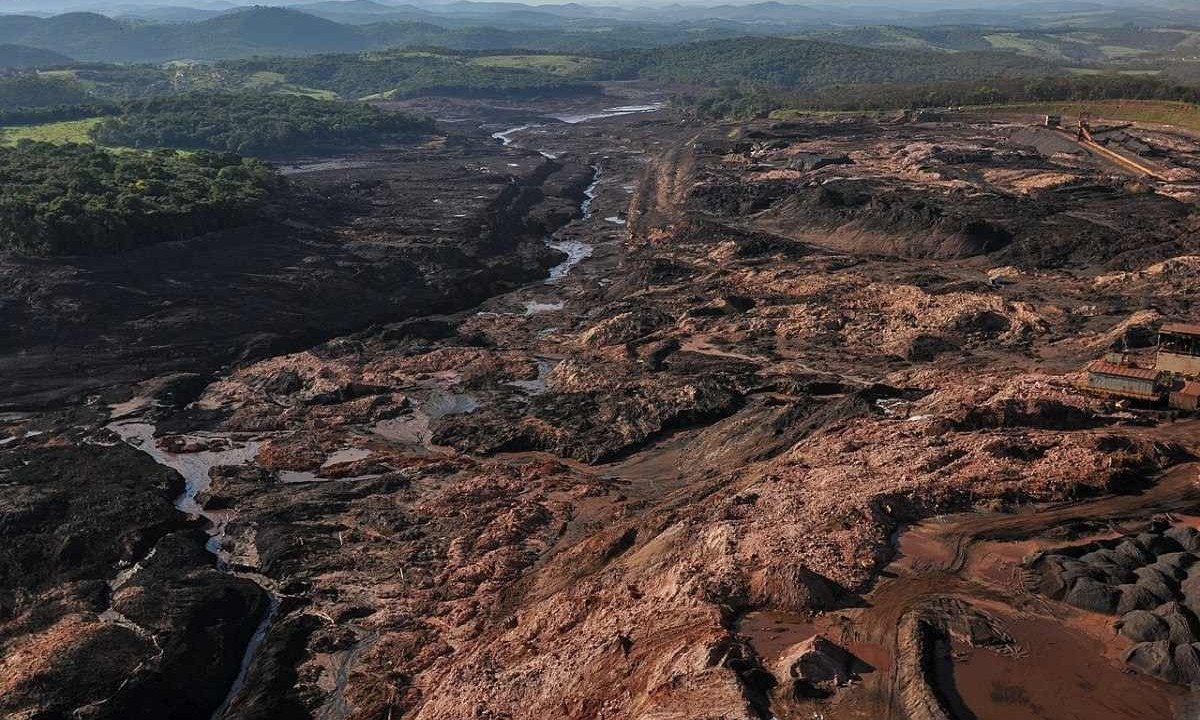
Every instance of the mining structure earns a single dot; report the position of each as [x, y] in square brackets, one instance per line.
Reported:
[1174, 379]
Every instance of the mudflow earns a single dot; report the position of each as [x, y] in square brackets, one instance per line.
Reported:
[617, 415]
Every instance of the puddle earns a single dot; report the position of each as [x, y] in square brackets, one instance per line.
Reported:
[577, 251]
[414, 429]
[578, 117]
[506, 136]
[346, 455]
[194, 467]
[772, 633]
[538, 384]
[535, 307]
[589, 195]
[1059, 675]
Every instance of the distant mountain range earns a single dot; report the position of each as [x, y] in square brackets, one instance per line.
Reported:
[923, 12]
[215, 31]
[285, 31]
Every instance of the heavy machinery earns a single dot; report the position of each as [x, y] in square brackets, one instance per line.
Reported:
[1083, 136]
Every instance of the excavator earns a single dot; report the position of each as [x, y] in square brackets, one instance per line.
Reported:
[1083, 136]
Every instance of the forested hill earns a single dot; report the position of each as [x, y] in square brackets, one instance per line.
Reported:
[79, 199]
[268, 125]
[21, 57]
[253, 31]
[808, 64]
[92, 37]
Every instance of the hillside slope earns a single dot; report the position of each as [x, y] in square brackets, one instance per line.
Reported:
[807, 64]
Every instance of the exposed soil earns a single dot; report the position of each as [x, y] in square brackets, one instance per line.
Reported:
[790, 428]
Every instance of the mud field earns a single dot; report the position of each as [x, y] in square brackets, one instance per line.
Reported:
[604, 412]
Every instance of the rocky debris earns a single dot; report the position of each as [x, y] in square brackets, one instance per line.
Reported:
[1143, 626]
[594, 424]
[920, 641]
[814, 161]
[815, 668]
[624, 328]
[931, 192]
[1175, 663]
[1149, 580]
[924, 348]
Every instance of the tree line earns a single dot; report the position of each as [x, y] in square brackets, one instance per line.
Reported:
[260, 125]
[743, 101]
[411, 73]
[789, 64]
[80, 199]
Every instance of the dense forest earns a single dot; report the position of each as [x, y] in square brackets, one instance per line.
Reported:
[79, 199]
[264, 125]
[407, 74]
[807, 64]
[27, 90]
[747, 101]
[55, 113]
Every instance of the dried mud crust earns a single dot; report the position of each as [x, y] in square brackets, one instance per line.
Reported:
[569, 501]
[945, 190]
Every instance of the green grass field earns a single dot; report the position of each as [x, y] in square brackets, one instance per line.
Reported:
[557, 64]
[69, 131]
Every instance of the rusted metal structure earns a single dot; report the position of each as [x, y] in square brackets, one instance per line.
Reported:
[1124, 380]
[1179, 350]
[1175, 377]
[1185, 395]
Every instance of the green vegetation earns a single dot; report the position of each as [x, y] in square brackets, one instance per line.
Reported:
[55, 113]
[66, 131]
[806, 64]
[80, 199]
[554, 64]
[275, 82]
[269, 125]
[412, 73]
[21, 57]
[28, 90]
[260, 31]
[743, 102]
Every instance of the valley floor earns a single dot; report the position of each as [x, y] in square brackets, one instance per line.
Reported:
[786, 423]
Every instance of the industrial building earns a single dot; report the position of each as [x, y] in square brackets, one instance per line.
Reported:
[1124, 380]
[1185, 395]
[1179, 350]
[1174, 378]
